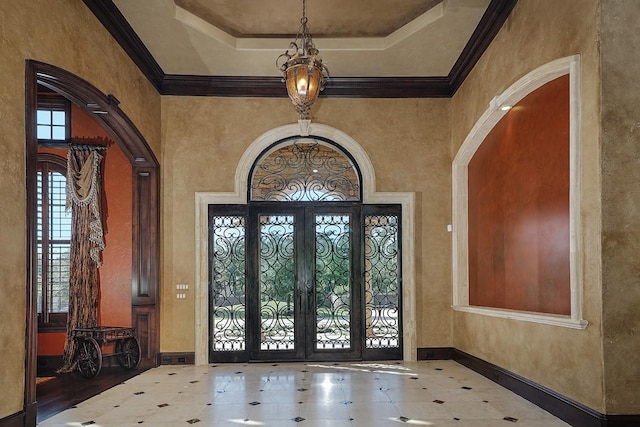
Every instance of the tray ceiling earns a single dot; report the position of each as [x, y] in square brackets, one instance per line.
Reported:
[373, 48]
[364, 38]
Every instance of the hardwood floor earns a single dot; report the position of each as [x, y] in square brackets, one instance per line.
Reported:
[67, 390]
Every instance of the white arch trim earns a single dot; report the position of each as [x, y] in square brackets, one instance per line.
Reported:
[239, 196]
[569, 65]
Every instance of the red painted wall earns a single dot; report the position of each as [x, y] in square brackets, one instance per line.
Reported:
[115, 272]
[519, 207]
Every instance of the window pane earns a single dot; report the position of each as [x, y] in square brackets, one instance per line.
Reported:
[43, 117]
[39, 275]
[39, 207]
[44, 132]
[58, 118]
[59, 217]
[51, 124]
[58, 133]
[58, 278]
[54, 232]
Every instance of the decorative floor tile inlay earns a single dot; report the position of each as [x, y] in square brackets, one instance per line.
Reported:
[312, 394]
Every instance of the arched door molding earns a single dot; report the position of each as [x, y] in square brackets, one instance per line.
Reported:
[145, 229]
[239, 196]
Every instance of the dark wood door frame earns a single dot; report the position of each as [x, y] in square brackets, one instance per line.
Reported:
[146, 223]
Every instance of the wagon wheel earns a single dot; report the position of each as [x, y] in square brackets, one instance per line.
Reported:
[89, 357]
[128, 353]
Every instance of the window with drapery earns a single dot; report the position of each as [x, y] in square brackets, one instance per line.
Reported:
[53, 242]
[83, 197]
[53, 220]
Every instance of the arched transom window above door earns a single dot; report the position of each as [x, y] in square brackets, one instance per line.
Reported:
[305, 170]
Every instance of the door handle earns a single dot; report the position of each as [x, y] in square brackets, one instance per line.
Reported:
[309, 299]
[300, 302]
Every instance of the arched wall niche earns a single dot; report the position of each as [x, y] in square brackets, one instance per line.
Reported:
[145, 228]
[369, 195]
[529, 83]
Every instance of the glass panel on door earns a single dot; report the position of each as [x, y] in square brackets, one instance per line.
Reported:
[382, 281]
[332, 282]
[227, 326]
[276, 276]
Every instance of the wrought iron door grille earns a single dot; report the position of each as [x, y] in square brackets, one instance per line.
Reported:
[381, 281]
[227, 287]
[305, 171]
[333, 281]
[277, 282]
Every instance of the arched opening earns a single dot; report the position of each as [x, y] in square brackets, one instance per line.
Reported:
[144, 204]
[277, 148]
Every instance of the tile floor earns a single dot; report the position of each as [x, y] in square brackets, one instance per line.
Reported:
[426, 393]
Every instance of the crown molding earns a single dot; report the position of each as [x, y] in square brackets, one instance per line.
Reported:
[339, 87]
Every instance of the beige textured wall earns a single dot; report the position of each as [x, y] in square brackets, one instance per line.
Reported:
[66, 34]
[565, 360]
[620, 57]
[408, 143]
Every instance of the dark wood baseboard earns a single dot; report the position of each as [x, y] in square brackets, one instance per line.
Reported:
[185, 358]
[566, 409]
[623, 420]
[435, 353]
[15, 420]
[560, 406]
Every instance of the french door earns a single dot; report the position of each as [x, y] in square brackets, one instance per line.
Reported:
[297, 281]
